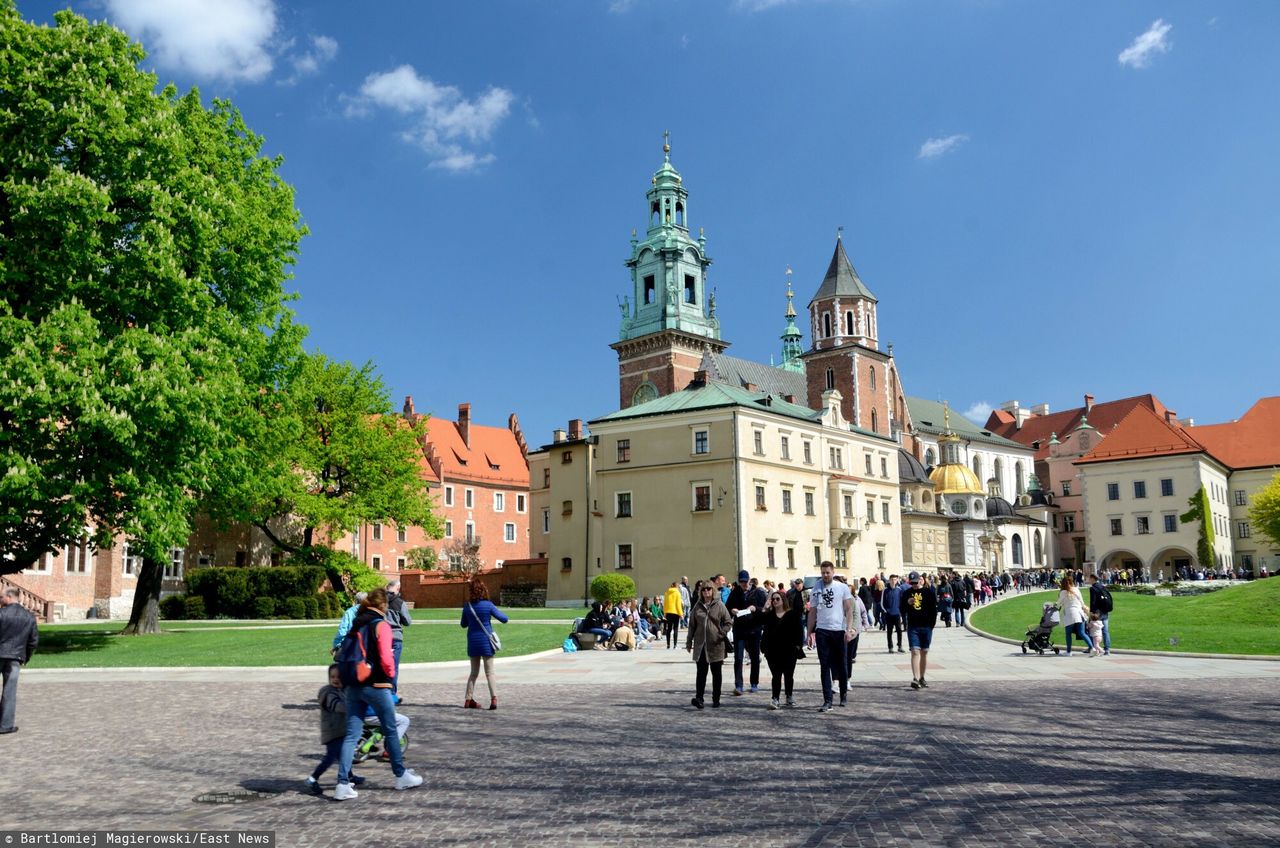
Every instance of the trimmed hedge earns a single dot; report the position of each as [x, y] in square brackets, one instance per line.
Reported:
[312, 606]
[613, 587]
[264, 607]
[234, 592]
[193, 607]
[173, 608]
[295, 608]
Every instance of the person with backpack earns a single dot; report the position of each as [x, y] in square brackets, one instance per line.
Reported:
[398, 617]
[1100, 601]
[366, 667]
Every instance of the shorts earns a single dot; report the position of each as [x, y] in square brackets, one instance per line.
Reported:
[919, 638]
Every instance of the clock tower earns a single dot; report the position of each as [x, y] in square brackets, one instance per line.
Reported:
[669, 319]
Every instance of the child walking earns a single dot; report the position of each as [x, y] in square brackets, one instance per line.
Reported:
[333, 728]
[1095, 633]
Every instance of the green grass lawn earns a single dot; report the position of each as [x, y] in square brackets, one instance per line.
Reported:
[101, 645]
[1237, 620]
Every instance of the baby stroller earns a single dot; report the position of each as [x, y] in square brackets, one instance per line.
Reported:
[1038, 637]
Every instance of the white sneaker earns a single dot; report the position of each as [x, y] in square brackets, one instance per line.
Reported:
[408, 780]
[344, 792]
[773, 703]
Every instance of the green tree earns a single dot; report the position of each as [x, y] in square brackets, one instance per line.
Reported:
[613, 588]
[325, 452]
[1264, 511]
[144, 246]
[423, 558]
[1201, 511]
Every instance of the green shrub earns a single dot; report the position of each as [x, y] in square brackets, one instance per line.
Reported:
[233, 592]
[311, 606]
[264, 607]
[173, 608]
[193, 607]
[613, 587]
[333, 605]
[295, 608]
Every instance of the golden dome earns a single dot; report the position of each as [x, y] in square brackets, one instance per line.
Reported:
[955, 480]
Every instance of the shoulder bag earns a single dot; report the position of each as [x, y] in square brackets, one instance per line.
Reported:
[493, 637]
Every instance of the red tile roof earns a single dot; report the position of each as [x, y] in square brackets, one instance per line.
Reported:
[1141, 435]
[493, 456]
[1251, 442]
[1103, 417]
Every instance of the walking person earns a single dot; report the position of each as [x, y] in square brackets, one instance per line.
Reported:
[1100, 602]
[745, 600]
[891, 600]
[344, 623]
[686, 600]
[673, 613]
[477, 617]
[781, 639]
[830, 629]
[1074, 613]
[709, 621]
[18, 639]
[861, 622]
[920, 609]
[959, 599]
[398, 617]
[370, 627]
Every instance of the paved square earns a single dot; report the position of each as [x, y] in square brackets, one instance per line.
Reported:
[615, 756]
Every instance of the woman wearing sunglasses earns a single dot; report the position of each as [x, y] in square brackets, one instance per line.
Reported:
[782, 629]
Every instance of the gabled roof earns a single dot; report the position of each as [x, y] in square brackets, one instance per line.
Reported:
[841, 280]
[1142, 435]
[713, 395]
[1251, 442]
[1102, 416]
[740, 372]
[494, 455]
[927, 417]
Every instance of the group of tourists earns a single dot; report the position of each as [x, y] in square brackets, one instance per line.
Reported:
[363, 687]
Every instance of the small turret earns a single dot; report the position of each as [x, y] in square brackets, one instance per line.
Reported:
[792, 341]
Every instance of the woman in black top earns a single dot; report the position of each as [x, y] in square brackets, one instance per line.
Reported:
[781, 627]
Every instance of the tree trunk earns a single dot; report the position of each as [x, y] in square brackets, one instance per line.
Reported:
[145, 617]
[307, 537]
[276, 540]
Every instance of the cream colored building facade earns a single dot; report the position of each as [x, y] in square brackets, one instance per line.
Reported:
[714, 479]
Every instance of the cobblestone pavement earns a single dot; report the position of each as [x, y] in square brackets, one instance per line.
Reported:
[604, 749]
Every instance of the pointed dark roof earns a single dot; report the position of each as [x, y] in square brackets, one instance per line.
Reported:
[842, 280]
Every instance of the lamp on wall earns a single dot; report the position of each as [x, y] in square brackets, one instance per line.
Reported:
[720, 497]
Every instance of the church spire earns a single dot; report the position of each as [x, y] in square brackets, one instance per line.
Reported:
[792, 341]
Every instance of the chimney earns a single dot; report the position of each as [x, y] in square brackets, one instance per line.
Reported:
[1171, 418]
[789, 398]
[1010, 406]
[699, 379]
[1187, 422]
[751, 387]
[408, 407]
[1020, 415]
[1040, 410]
[575, 429]
[1088, 404]
[557, 436]
[464, 423]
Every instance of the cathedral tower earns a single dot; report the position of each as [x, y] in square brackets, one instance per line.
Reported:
[669, 319]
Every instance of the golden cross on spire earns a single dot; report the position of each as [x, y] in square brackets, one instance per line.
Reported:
[666, 144]
[946, 416]
[840, 232]
[790, 293]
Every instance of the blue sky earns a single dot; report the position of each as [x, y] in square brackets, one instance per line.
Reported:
[1048, 199]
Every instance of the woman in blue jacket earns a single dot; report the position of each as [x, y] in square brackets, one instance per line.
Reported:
[477, 617]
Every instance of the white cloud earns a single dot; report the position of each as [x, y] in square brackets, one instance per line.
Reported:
[446, 125]
[979, 412]
[210, 39]
[620, 7]
[322, 51]
[935, 147]
[759, 5]
[1144, 47]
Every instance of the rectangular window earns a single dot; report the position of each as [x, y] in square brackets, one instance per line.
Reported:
[622, 505]
[520, 503]
[624, 556]
[1069, 522]
[808, 452]
[884, 467]
[624, 450]
[1113, 491]
[46, 561]
[455, 562]
[400, 563]
[377, 532]
[701, 498]
[1116, 528]
[786, 500]
[1171, 524]
[448, 529]
[499, 502]
[1139, 488]
[508, 532]
[760, 497]
[1144, 525]
[566, 564]
[376, 564]
[791, 558]
[786, 448]
[173, 571]
[1066, 487]
[1166, 487]
[884, 511]
[566, 457]
[1242, 528]
[842, 558]
[867, 457]
[758, 442]
[546, 478]
[448, 496]
[871, 510]
[78, 556]
[848, 506]
[701, 442]
[566, 508]
[650, 289]
[837, 458]
[402, 534]
[769, 555]
[546, 521]
[808, 503]
[469, 498]
[470, 531]
[1246, 561]
[817, 556]
[1241, 500]
[132, 562]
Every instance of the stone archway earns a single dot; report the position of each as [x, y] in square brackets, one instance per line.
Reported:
[1115, 560]
[1168, 563]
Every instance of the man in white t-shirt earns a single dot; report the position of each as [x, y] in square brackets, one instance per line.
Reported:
[830, 631]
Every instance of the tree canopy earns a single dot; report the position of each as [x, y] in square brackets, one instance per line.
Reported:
[1264, 511]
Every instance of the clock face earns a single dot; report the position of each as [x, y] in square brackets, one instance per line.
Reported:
[644, 394]
[958, 507]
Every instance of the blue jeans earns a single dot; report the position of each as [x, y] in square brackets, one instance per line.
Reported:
[960, 611]
[383, 704]
[601, 633]
[396, 648]
[747, 643]
[332, 754]
[1077, 629]
[1106, 631]
[831, 660]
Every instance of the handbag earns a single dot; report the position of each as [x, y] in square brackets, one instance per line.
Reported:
[799, 652]
[493, 637]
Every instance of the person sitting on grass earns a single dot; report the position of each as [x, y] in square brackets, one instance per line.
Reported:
[624, 638]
